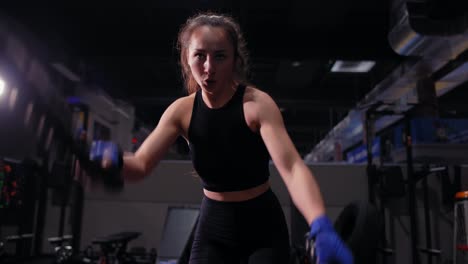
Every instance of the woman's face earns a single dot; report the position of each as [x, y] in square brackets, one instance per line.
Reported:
[211, 58]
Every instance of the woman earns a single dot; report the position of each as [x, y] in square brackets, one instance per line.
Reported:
[233, 129]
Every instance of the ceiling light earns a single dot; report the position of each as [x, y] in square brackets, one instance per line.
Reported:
[352, 66]
[296, 63]
[2, 86]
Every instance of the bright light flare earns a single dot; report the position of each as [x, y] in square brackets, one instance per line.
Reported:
[2, 86]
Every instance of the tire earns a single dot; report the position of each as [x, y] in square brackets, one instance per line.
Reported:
[359, 225]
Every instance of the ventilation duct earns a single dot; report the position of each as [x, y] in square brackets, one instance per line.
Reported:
[430, 44]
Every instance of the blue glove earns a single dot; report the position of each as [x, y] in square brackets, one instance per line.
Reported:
[329, 247]
[107, 158]
[107, 154]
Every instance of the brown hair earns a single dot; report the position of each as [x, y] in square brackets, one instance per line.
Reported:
[214, 20]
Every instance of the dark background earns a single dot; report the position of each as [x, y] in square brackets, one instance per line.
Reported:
[128, 48]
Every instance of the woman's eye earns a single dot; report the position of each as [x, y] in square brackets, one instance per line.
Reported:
[200, 56]
[220, 56]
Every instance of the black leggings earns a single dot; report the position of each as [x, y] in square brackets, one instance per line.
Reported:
[250, 232]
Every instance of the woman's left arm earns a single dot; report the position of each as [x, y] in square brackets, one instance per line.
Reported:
[298, 178]
[301, 184]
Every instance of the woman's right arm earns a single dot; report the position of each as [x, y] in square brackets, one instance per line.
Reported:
[138, 165]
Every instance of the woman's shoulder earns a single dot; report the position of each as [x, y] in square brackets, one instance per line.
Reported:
[254, 94]
[181, 105]
[184, 101]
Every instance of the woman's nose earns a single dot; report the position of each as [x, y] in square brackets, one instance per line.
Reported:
[209, 65]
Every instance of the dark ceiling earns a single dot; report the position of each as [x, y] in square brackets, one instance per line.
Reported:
[129, 50]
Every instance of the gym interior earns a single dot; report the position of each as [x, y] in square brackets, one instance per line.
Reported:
[375, 104]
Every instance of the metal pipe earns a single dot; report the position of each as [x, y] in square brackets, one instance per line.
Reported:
[411, 191]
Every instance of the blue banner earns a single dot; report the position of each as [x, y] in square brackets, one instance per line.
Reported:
[359, 154]
[433, 130]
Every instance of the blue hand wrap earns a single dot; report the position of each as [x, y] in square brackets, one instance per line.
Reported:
[329, 247]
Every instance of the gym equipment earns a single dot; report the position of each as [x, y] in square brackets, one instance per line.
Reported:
[45, 123]
[421, 139]
[20, 250]
[102, 161]
[12, 185]
[114, 247]
[433, 140]
[107, 154]
[360, 226]
[2, 250]
[62, 248]
[328, 242]
[18, 182]
[107, 160]
[460, 235]
[141, 256]
[177, 237]
[310, 256]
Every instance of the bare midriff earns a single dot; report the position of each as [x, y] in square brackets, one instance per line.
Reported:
[238, 196]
